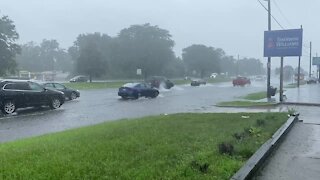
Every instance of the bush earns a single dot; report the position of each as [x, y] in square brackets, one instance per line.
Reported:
[226, 148]
[200, 167]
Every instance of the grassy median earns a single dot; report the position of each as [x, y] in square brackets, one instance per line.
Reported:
[176, 146]
[256, 96]
[94, 85]
[117, 84]
[211, 80]
[245, 104]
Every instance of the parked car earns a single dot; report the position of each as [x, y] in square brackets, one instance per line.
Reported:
[16, 94]
[79, 79]
[312, 80]
[259, 78]
[157, 81]
[136, 90]
[198, 82]
[241, 81]
[213, 75]
[70, 93]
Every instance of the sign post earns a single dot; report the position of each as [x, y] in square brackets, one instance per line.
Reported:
[282, 43]
[139, 72]
[281, 80]
[316, 62]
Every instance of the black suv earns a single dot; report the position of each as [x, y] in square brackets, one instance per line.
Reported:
[16, 94]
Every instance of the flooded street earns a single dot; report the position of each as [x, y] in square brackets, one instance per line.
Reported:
[96, 106]
[298, 157]
[307, 93]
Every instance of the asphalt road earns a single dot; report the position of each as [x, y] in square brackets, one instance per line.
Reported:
[96, 106]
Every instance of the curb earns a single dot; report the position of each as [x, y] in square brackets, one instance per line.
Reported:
[300, 104]
[257, 106]
[259, 157]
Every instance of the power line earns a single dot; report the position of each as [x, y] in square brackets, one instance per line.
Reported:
[271, 15]
[281, 12]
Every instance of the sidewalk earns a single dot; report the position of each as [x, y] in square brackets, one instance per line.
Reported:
[298, 157]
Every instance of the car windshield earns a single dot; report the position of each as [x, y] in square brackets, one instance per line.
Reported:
[35, 86]
[130, 85]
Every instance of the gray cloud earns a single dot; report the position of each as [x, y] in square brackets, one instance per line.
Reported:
[236, 26]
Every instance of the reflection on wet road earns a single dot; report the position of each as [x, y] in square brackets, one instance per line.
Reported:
[309, 93]
[298, 157]
[95, 106]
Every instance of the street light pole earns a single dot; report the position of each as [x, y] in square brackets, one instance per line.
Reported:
[269, 58]
[310, 59]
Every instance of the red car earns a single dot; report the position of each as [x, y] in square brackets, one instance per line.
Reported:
[241, 81]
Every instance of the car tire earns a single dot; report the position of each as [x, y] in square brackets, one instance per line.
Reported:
[73, 96]
[55, 103]
[9, 107]
[136, 96]
[124, 97]
[155, 95]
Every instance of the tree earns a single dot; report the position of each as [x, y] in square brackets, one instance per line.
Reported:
[143, 47]
[175, 68]
[49, 52]
[250, 66]
[229, 64]
[47, 56]
[29, 59]
[8, 48]
[91, 52]
[288, 72]
[202, 59]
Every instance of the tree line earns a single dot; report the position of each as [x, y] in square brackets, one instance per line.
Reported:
[144, 47]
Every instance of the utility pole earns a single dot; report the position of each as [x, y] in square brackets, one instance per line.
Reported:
[281, 80]
[269, 58]
[238, 65]
[299, 68]
[310, 59]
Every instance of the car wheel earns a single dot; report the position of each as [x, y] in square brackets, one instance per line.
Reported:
[124, 97]
[55, 103]
[73, 96]
[136, 96]
[9, 107]
[155, 95]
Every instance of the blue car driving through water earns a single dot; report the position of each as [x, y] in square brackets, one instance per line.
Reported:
[136, 90]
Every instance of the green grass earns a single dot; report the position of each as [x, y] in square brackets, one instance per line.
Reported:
[117, 84]
[256, 96]
[181, 81]
[94, 85]
[215, 80]
[160, 147]
[245, 104]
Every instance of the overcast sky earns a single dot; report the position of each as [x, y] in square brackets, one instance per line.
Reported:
[233, 25]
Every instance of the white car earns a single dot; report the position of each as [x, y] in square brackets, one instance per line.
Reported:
[213, 75]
